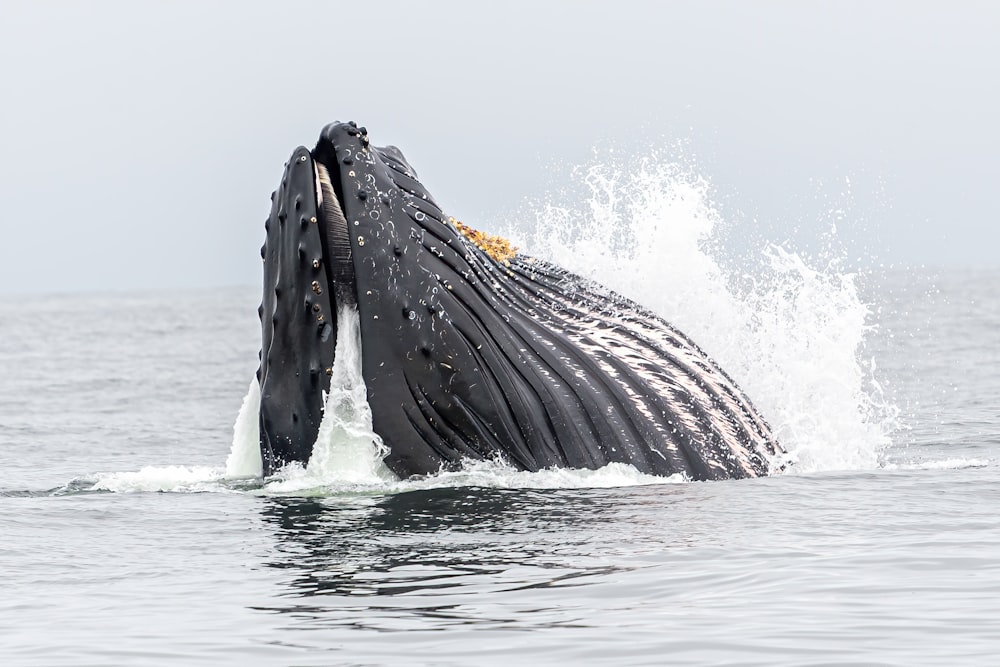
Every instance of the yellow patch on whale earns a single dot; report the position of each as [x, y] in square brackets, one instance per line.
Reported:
[497, 247]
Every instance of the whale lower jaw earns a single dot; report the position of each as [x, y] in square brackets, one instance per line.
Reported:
[308, 276]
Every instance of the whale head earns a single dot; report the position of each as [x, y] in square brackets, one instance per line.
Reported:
[470, 350]
[350, 225]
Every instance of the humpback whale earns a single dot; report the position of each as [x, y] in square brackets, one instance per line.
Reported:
[471, 349]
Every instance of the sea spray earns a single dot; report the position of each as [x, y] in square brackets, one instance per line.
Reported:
[803, 330]
[790, 332]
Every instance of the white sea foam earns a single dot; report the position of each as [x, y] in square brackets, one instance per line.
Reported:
[942, 464]
[161, 478]
[491, 474]
[295, 480]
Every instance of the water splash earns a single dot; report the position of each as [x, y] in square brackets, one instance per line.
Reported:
[789, 330]
[347, 451]
[244, 456]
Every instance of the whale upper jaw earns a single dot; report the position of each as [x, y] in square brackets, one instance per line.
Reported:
[309, 274]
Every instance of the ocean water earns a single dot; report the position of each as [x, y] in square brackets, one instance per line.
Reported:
[131, 535]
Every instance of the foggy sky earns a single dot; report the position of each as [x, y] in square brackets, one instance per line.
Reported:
[140, 141]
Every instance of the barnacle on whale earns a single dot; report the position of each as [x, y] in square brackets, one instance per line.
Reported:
[497, 247]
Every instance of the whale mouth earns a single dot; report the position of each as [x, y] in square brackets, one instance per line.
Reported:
[468, 349]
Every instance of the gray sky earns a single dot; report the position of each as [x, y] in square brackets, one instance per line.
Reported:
[140, 140]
